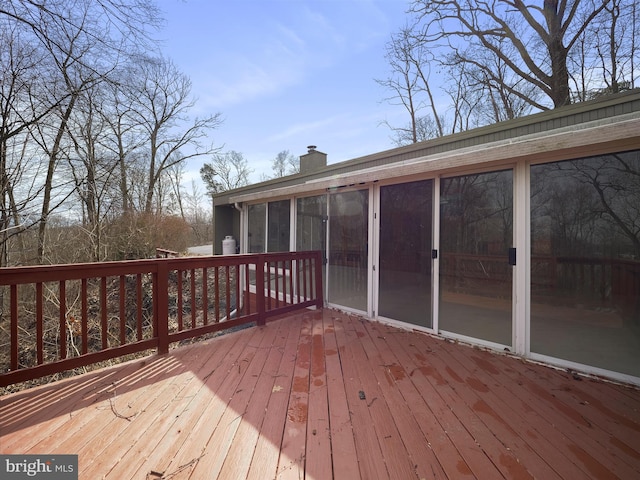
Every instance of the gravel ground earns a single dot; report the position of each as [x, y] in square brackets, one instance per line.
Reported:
[201, 250]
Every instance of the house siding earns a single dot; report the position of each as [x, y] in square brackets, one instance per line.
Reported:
[593, 129]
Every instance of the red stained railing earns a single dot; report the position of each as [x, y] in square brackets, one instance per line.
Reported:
[60, 317]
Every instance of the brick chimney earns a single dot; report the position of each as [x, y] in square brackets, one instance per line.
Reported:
[313, 160]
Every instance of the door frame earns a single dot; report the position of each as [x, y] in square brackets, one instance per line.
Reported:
[519, 241]
[374, 269]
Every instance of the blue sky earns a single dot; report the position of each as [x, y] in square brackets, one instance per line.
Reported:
[285, 74]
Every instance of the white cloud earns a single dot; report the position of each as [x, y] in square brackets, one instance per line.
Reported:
[286, 74]
[289, 37]
[247, 82]
[254, 69]
[280, 53]
[307, 128]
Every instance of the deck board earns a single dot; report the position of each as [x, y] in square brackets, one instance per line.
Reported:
[585, 442]
[324, 394]
[390, 414]
[267, 450]
[471, 459]
[223, 377]
[343, 452]
[121, 441]
[240, 454]
[318, 442]
[367, 443]
[494, 406]
[292, 448]
[423, 462]
[496, 418]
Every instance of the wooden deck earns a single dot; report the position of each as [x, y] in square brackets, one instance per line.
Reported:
[322, 394]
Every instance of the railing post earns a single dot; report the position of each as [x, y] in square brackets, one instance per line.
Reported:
[161, 307]
[318, 279]
[260, 301]
[15, 349]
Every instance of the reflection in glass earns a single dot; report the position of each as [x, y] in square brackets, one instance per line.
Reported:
[476, 225]
[279, 226]
[348, 249]
[405, 252]
[256, 227]
[585, 261]
[311, 223]
[311, 227]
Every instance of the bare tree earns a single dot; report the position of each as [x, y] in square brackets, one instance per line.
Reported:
[65, 45]
[71, 46]
[163, 102]
[402, 83]
[410, 85]
[419, 130]
[131, 22]
[486, 85]
[125, 139]
[285, 164]
[20, 109]
[93, 167]
[185, 203]
[501, 59]
[611, 44]
[198, 213]
[226, 171]
[84, 115]
[542, 37]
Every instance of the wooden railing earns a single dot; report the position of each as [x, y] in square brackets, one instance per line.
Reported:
[60, 317]
[602, 282]
[597, 282]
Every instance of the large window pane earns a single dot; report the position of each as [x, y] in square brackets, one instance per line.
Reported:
[279, 226]
[257, 221]
[311, 223]
[311, 228]
[348, 233]
[476, 222]
[585, 261]
[405, 252]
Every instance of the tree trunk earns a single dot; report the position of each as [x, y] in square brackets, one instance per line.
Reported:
[559, 75]
[48, 186]
[559, 80]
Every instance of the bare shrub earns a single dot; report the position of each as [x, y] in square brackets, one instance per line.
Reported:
[137, 235]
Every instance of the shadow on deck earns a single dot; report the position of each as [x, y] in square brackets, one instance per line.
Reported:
[323, 394]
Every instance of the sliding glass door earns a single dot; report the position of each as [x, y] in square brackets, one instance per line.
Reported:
[348, 249]
[476, 233]
[405, 252]
[585, 261]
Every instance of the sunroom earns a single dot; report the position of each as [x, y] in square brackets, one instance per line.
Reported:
[522, 236]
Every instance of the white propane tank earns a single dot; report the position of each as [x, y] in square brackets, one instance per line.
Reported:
[229, 245]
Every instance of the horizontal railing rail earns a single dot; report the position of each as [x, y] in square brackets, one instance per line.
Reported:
[60, 317]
